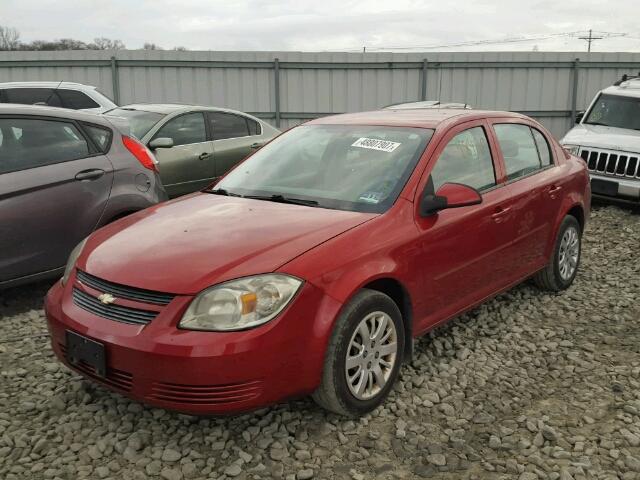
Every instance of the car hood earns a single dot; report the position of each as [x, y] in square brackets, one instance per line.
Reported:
[189, 244]
[599, 136]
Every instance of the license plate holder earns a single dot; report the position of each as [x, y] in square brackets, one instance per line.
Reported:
[604, 187]
[83, 349]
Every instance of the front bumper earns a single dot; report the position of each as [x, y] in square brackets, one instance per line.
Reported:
[616, 189]
[201, 372]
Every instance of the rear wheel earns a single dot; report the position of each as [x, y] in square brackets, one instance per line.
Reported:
[562, 269]
[364, 355]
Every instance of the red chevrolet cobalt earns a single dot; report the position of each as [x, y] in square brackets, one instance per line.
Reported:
[310, 267]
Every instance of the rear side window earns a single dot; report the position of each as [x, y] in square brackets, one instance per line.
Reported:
[101, 136]
[75, 100]
[518, 149]
[543, 148]
[31, 96]
[185, 129]
[254, 127]
[227, 125]
[31, 143]
[467, 160]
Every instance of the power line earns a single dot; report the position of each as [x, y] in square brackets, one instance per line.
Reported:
[590, 36]
[599, 36]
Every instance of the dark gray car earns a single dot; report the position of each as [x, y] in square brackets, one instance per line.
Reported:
[62, 175]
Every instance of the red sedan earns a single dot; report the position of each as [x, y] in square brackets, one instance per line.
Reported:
[310, 267]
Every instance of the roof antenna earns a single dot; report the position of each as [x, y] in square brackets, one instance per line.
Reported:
[46, 102]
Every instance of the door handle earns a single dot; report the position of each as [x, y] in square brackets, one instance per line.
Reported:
[204, 155]
[86, 175]
[554, 189]
[500, 213]
[256, 145]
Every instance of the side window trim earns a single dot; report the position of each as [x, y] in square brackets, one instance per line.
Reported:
[483, 126]
[90, 140]
[204, 118]
[549, 149]
[509, 121]
[92, 151]
[246, 121]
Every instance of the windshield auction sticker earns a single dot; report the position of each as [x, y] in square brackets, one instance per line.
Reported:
[375, 144]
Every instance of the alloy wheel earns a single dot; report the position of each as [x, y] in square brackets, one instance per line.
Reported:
[371, 355]
[569, 253]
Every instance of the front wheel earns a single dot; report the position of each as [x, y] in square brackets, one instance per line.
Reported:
[561, 271]
[364, 355]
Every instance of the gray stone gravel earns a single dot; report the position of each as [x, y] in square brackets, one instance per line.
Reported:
[528, 386]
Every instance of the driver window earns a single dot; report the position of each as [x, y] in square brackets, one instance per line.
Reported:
[467, 160]
[185, 129]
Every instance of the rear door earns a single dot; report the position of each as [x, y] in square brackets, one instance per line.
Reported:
[534, 182]
[54, 185]
[234, 138]
[189, 165]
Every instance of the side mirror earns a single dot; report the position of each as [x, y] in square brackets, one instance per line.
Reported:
[579, 117]
[161, 142]
[449, 195]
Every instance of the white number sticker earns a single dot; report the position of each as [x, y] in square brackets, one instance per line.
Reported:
[375, 144]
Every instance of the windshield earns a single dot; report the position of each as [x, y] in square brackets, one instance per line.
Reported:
[140, 121]
[615, 111]
[345, 167]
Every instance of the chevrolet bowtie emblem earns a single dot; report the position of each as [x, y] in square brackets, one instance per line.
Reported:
[107, 298]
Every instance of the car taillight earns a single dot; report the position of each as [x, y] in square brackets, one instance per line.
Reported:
[142, 153]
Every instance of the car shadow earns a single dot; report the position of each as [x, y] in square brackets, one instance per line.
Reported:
[23, 298]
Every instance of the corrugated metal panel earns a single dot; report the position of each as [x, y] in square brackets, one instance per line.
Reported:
[334, 82]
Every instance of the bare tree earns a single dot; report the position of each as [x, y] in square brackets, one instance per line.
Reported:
[103, 43]
[180, 49]
[9, 38]
[152, 46]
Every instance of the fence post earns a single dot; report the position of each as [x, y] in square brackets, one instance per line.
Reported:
[423, 87]
[574, 92]
[276, 86]
[115, 80]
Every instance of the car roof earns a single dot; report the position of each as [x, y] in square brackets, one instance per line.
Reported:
[629, 88]
[43, 111]
[72, 85]
[169, 108]
[421, 118]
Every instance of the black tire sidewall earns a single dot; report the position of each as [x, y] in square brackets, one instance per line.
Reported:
[568, 221]
[375, 302]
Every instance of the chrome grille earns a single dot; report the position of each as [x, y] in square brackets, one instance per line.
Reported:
[123, 291]
[112, 312]
[611, 162]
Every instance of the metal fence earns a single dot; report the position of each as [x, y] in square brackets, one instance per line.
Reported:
[287, 88]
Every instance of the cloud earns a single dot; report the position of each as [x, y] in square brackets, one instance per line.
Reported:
[326, 25]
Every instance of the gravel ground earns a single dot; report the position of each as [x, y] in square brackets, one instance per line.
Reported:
[528, 386]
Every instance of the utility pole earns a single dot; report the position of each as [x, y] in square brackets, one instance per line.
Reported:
[590, 39]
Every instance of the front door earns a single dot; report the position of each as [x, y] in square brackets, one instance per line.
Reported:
[189, 165]
[464, 251]
[53, 191]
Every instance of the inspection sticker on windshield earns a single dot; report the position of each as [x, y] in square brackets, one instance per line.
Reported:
[375, 144]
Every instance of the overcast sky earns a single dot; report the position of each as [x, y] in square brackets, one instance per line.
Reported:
[328, 24]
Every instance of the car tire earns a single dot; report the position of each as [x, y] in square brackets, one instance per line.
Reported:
[561, 271]
[341, 390]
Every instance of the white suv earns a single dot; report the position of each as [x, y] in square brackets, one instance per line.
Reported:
[607, 137]
[75, 96]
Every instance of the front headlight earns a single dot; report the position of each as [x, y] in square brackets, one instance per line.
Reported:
[240, 304]
[73, 256]
[572, 149]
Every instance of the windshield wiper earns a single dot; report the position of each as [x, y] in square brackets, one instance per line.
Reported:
[282, 199]
[222, 191]
[597, 123]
